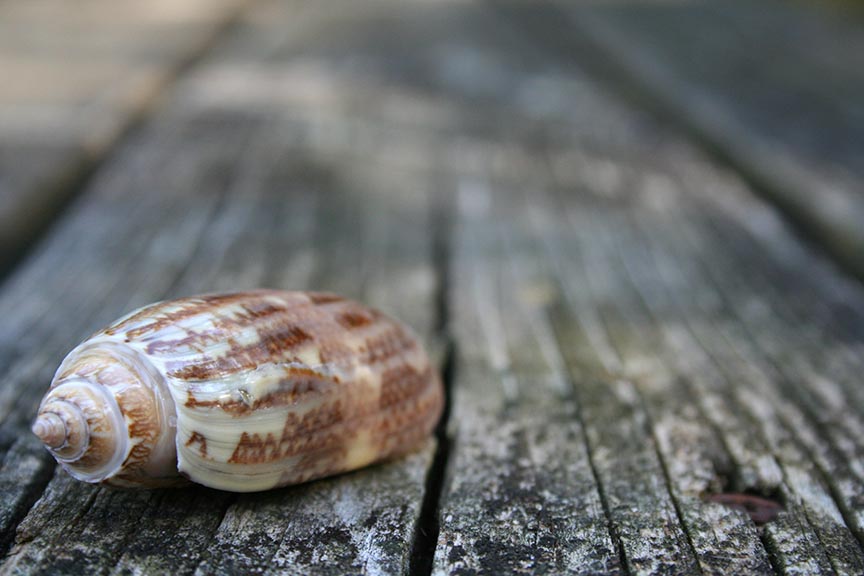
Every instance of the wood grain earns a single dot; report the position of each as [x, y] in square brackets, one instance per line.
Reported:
[773, 88]
[630, 334]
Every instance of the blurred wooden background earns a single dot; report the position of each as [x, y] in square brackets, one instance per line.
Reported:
[632, 234]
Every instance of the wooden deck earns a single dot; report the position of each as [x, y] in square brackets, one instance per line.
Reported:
[638, 266]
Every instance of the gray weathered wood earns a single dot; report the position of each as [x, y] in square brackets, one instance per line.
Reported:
[521, 493]
[634, 332]
[799, 541]
[776, 87]
[691, 452]
[75, 78]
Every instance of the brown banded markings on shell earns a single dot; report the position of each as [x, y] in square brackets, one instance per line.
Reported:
[255, 389]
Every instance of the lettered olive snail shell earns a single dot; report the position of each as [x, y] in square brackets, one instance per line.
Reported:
[241, 392]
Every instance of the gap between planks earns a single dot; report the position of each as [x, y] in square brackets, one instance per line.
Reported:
[427, 529]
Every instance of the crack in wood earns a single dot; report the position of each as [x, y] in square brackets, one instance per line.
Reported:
[428, 523]
[35, 486]
[427, 527]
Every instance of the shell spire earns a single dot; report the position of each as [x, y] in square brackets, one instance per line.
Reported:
[76, 423]
[106, 416]
[52, 430]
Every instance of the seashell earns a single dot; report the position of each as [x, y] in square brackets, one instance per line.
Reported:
[241, 392]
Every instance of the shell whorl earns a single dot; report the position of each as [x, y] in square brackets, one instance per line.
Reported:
[244, 392]
[108, 416]
[77, 423]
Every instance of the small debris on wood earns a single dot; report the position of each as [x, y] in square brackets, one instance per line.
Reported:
[761, 510]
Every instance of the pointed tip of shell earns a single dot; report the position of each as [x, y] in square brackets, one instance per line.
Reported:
[50, 429]
[63, 429]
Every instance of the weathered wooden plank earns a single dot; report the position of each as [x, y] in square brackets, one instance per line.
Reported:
[828, 534]
[774, 87]
[622, 443]
[829, 396]
[74, 79]
[349, 507]
[794, 543]
[831, 442]
[780, 421]
[693, 458]
[758, 470]
[521, 494]
[831, 532]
